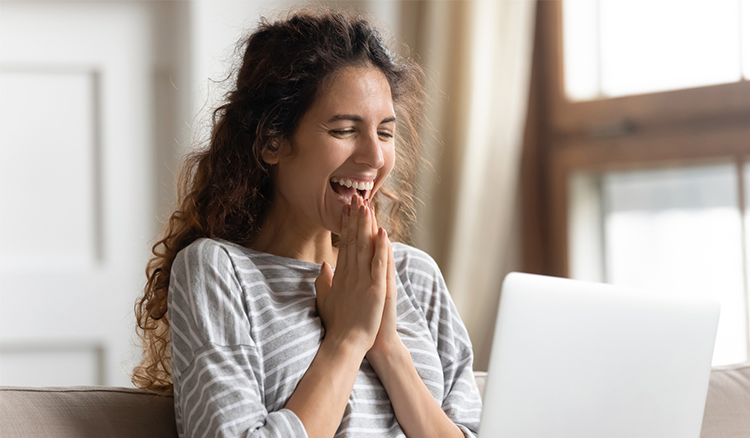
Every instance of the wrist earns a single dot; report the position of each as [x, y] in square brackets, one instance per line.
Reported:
[344, 348]
[388, 356]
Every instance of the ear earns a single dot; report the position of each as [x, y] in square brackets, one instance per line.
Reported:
[270, 152]
[270, 157]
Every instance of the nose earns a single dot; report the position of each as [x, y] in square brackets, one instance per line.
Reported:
[370, 151]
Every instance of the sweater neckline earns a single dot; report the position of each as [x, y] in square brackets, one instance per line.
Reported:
[273, 258]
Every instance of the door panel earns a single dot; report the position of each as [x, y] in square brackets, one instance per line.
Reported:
[75, 188]
[70, 150]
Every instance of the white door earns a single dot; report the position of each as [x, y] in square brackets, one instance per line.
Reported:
[75, 188]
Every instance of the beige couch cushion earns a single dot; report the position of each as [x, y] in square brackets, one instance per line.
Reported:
[727, 412]
[84, 412]
[121, 412]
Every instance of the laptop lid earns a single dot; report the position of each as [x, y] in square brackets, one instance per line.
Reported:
[589, 360]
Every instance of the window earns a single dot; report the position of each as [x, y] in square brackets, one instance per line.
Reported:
[639, 158]
[677, 230]
[620, 48]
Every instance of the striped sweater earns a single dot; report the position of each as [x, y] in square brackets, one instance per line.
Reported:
[244, 329]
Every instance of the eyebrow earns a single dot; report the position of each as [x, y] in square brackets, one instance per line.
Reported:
[356, 118]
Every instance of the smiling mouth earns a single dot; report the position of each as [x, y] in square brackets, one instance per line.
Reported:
[347, 188]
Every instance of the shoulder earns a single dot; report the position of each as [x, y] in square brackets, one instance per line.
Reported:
[423, 281]
[414, 261]
[206, 262]
[210, 254]
[403, 253]
[420, 275]
[206, 301]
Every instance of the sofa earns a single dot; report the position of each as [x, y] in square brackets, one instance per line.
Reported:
[92, 411]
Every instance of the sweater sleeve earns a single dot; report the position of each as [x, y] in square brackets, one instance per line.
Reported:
[462, 402]
[461, 399]
[216, 368]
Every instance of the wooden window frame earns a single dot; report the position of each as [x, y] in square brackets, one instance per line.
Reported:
[672, 128]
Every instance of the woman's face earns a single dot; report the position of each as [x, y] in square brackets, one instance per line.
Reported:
[344, 145]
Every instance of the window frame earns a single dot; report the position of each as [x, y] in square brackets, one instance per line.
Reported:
[671, 128]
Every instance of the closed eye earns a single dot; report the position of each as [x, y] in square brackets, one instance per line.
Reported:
[344, 132]
[341, 132]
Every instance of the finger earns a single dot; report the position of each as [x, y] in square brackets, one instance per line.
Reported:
[364, 240]
[378, 271]
[374, 228]
[341, 258]
[351, 234]
[391, 275]
[324, 281]
[323, 284]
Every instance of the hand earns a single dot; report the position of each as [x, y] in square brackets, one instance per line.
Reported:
[387, 339]
[351, 302]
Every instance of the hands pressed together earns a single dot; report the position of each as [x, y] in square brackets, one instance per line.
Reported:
[357, 304]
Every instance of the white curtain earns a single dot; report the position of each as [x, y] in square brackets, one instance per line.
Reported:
[478, 58]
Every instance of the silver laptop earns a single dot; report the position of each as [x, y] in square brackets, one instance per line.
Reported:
[588, 360]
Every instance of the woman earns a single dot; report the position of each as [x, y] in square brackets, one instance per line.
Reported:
[265, 339]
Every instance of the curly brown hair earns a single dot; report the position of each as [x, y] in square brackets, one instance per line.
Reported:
[225, 189]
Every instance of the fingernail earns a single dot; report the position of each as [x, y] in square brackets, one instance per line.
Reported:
[381, 232]
[362, 210]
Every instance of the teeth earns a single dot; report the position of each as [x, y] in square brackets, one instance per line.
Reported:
[357, 185]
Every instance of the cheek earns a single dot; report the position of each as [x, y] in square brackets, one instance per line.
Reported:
[295, 182]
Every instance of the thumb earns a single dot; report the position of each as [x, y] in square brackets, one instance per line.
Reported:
[323, 283]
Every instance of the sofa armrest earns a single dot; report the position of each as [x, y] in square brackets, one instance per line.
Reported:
[88, 411]
[727, 413]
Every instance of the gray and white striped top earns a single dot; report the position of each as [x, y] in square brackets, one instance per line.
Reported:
[244, 329]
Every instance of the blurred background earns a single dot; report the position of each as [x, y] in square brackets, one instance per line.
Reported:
[603, 140]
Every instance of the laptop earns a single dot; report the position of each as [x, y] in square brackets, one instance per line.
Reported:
[588, 360]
